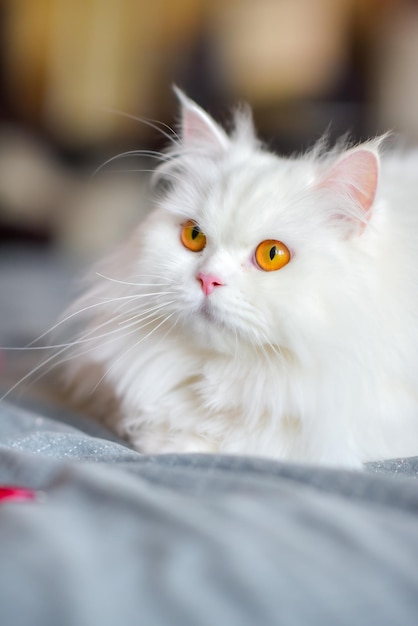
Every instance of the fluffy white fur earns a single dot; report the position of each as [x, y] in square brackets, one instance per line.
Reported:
[316, 362]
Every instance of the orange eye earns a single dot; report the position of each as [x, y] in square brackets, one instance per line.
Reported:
[192, 237]
[272, 255]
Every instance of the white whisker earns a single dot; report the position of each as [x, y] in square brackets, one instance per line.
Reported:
[78, 312]
[173, 137]
[139, 170]
[31, 373]
[90, 337]
[275, 349]
[138, 315]
[135, 345]
[125, 282]
[77, 353]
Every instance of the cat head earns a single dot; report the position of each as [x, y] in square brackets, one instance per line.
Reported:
[260, 248]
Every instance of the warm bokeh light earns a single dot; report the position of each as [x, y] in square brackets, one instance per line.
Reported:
[67, 67]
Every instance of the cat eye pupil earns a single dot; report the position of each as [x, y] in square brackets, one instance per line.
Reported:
[271, 255]
[192, 236]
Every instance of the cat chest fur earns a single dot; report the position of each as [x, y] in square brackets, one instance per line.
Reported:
[209, 402]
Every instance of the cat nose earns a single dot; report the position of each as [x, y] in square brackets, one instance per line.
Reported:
[208, 282]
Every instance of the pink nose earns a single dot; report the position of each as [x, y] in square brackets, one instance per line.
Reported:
[208, 282]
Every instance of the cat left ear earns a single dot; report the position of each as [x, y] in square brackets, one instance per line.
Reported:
[354, 178]
[198, 129]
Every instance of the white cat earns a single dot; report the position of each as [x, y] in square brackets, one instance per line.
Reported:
[267, 306]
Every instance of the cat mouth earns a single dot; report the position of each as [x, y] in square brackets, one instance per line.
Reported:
[209, 313]
[214, 319]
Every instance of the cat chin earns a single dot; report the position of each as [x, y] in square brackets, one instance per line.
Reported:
[213, 319]
[211, 333]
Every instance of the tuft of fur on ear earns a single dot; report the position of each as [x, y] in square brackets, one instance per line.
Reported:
[243, 128]
[352, 180]
[198, 129]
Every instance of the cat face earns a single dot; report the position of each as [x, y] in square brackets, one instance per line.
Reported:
[239, 253]
[254, 247]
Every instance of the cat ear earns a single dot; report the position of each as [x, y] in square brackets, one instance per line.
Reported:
[198, 129]
[353, 180]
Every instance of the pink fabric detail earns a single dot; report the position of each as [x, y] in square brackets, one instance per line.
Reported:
[16, 494]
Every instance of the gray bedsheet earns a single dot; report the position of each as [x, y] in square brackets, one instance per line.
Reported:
[117, 538]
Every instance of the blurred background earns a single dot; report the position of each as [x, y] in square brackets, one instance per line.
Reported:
[68, 66]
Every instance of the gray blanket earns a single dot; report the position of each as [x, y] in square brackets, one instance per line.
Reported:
[114, 537]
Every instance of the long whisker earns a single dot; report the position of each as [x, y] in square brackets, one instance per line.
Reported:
[116, 331]
[66, 346]
[275, 349]
[81, 339]
[139, 169]
[139, 315]
[89, 337]
[31, 373]
[128, 153]
[125, 282]
[73, 355]
[153, 276]
[173, 137]
[236, 350]
[135, 345]
[78, 312]
[95, 305]
[138, 305]
[171, 328]
[31, 347]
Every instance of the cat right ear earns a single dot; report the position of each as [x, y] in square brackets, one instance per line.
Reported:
[353, 180]
[198, 129]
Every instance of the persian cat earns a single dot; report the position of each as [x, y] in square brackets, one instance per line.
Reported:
[267, 306]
